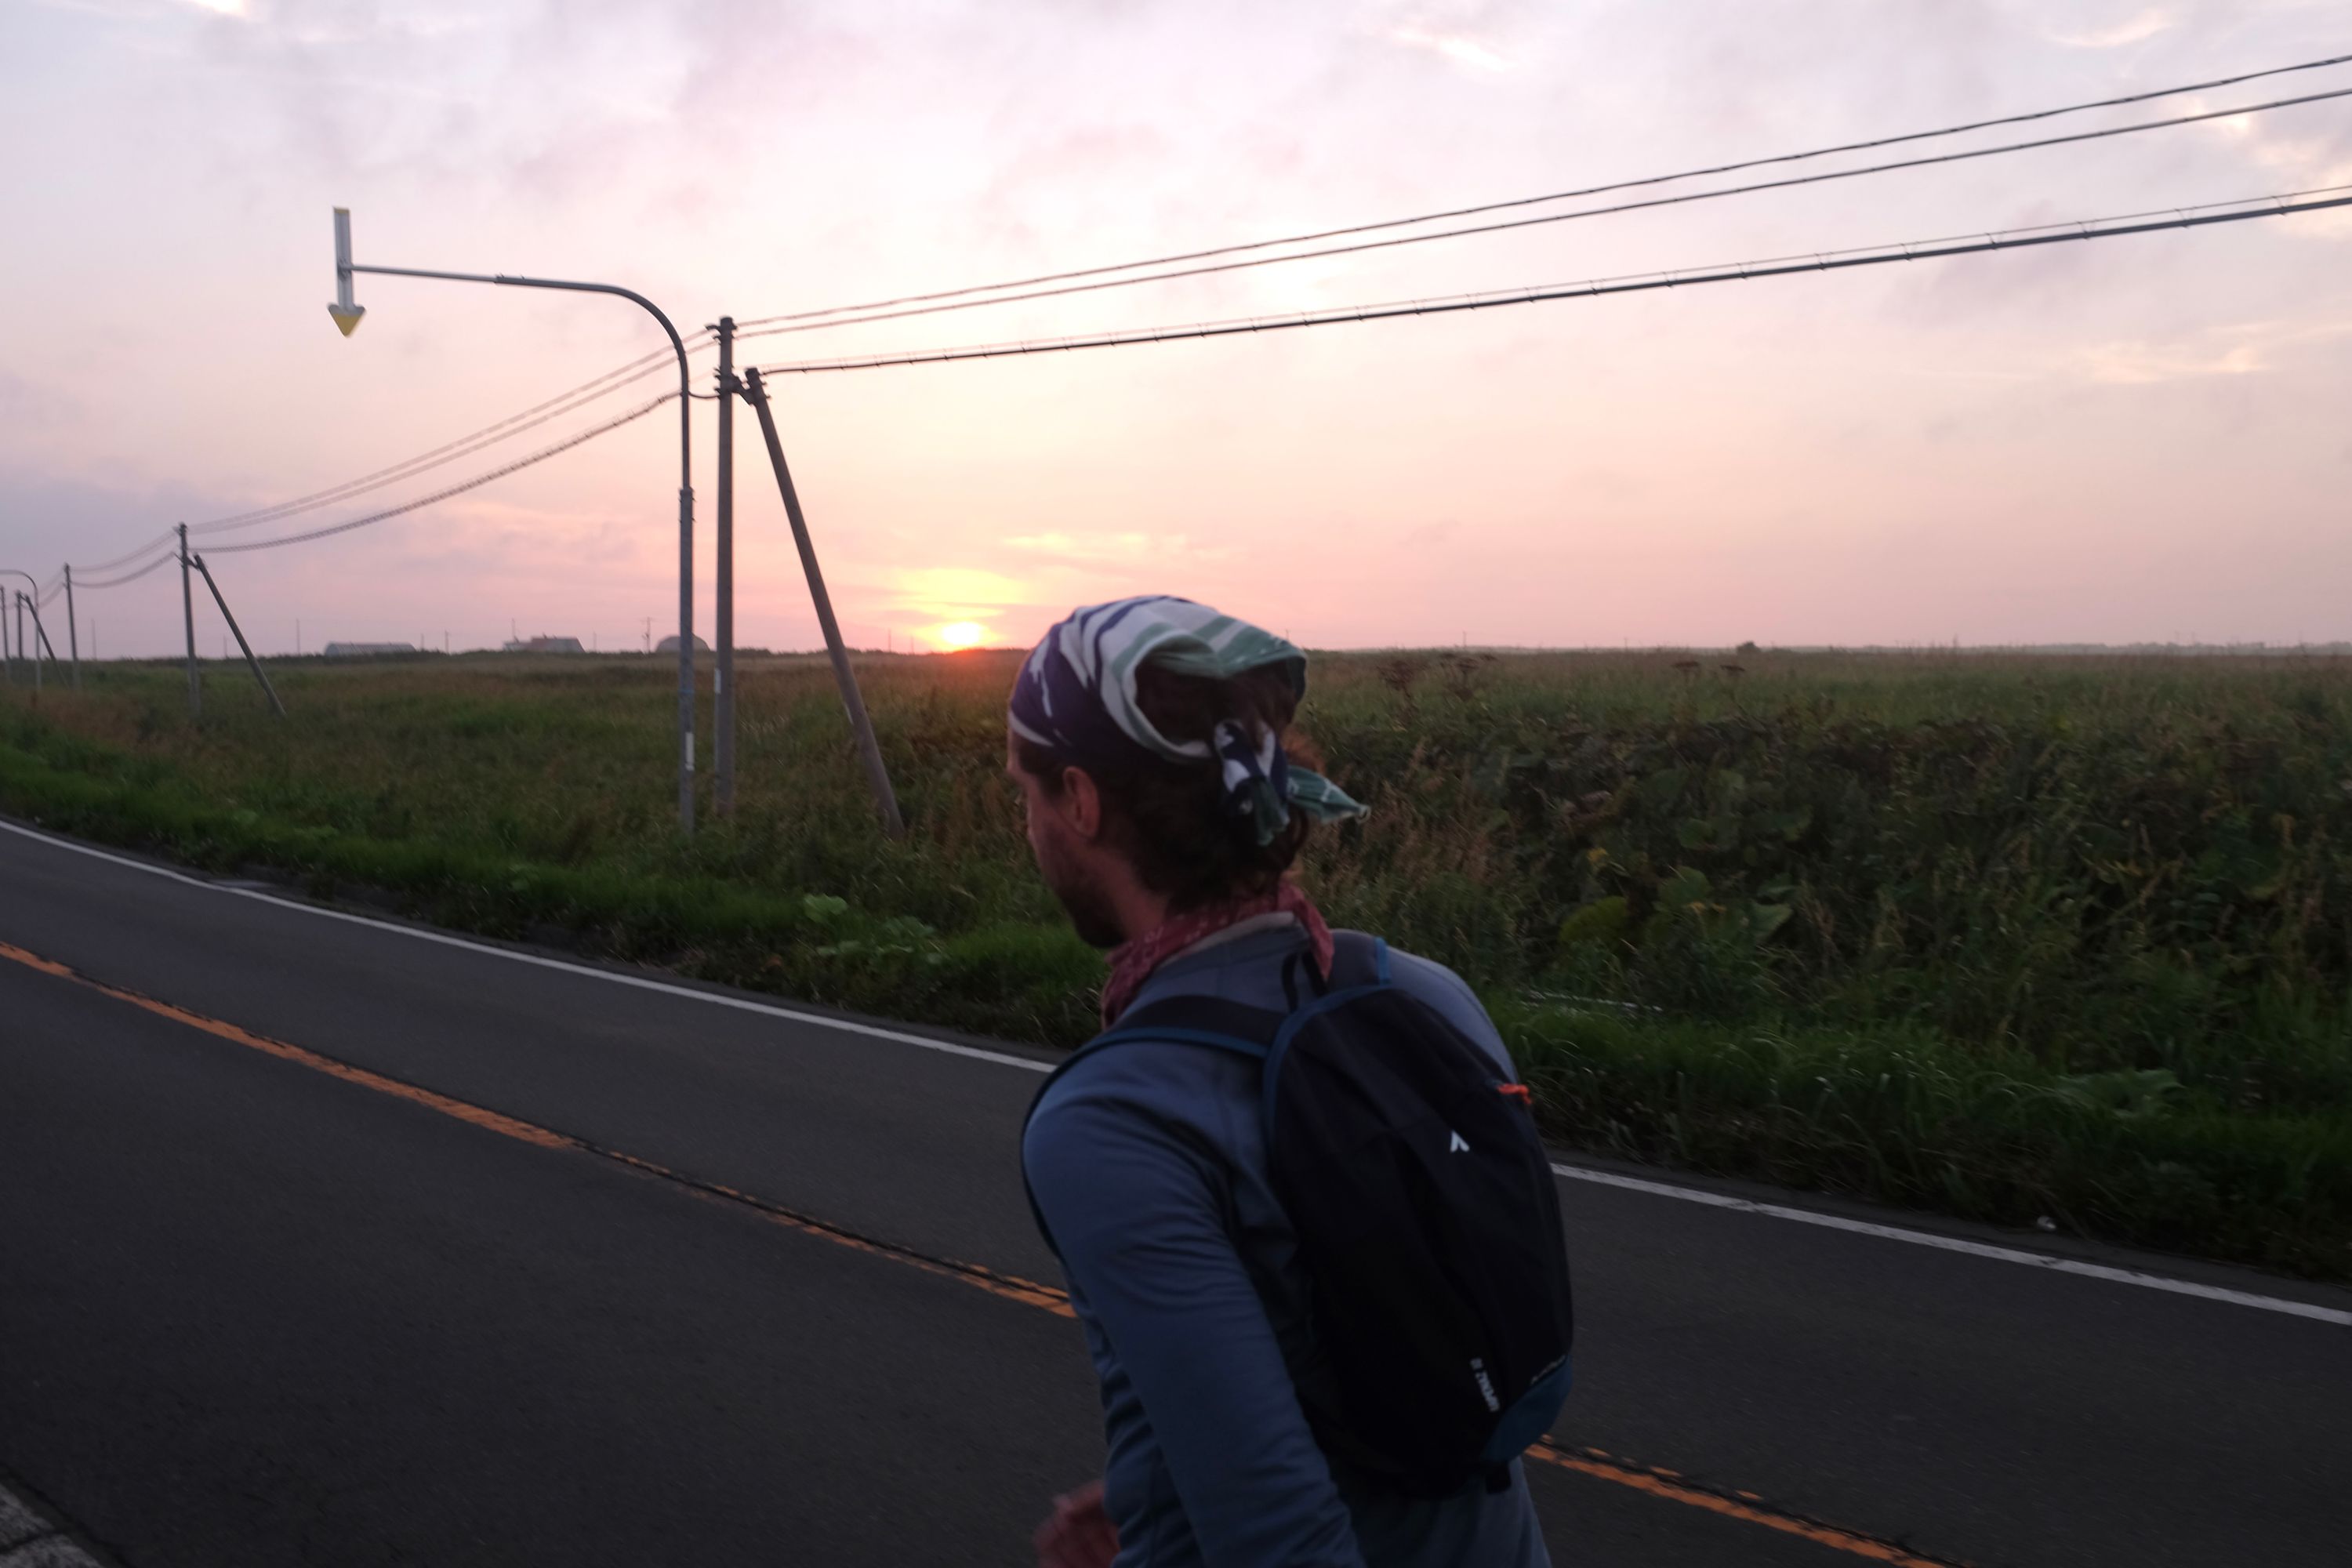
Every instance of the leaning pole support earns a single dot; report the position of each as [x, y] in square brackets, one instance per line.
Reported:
[868, 750]
[238, 632]
[40, 642]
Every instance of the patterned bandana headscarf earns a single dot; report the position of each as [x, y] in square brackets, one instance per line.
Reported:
[1075, 698]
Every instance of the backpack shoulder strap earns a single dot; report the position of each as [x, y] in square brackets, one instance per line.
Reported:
[1183, 1020]
[1216, 1021]
[1359, 959]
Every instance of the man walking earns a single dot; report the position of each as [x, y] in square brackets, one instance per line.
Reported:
[1242, 1409]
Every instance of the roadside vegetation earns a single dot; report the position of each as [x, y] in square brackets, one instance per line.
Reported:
[2062, 940]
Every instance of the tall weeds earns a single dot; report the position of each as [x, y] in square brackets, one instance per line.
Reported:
[2007, 936]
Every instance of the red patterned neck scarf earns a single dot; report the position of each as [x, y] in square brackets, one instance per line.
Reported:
[1133, 962]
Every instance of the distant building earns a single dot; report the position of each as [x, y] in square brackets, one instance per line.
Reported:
[544, 644]
[366, 649]
[669, 645]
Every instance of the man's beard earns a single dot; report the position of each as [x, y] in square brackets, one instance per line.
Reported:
[1088, 907]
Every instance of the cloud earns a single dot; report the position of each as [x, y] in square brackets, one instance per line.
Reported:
[1114, 547]
[2302, 152]
[1459, 47]
[2249, 348]
[2137, 29]
[957, 591]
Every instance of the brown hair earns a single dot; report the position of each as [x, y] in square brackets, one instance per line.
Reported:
[1169, 817]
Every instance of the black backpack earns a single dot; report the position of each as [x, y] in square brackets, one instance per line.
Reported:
[1427, 1220]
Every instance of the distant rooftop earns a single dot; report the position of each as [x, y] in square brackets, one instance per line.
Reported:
[544, 644]
[361, 649]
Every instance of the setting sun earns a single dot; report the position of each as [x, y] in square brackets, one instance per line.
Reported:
[958, 635]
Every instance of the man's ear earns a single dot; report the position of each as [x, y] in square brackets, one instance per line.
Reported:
[1081, 803]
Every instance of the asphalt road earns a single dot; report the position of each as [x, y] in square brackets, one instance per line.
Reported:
[323, 1240]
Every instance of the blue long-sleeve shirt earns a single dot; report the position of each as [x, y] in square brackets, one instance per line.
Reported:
[1147, 1162]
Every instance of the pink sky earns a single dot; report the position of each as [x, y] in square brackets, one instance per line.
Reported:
[2138, 439]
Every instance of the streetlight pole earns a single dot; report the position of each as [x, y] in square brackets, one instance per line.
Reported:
[347, 313]
[73, 631]
[188, 623]
[723, 704]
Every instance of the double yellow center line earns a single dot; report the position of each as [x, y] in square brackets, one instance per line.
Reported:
[1594, 1462]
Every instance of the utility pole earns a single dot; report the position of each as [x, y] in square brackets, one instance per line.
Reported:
[869, 750]
[722, 706]
[20, 645]
[73, 631]
[188, 619]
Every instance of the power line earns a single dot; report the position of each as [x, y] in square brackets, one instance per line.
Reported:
[1821, 261]
[1732, 168]
[128, 577]
[475, 483]
[1646, 202]
[489, 435]
[162, 539]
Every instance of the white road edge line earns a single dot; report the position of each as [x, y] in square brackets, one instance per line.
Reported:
[1955, 1244]
[1571, 1173]
[640, 982]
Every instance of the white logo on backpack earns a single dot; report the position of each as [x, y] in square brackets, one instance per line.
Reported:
[1457, 1146]
[1486, 1383]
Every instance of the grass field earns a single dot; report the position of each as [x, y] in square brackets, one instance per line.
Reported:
[2006, 936]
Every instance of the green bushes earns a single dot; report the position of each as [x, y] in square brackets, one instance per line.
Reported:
[2003, 936]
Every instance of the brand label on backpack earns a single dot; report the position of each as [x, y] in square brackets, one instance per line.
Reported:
[1457, 1146]
[1486, 1383]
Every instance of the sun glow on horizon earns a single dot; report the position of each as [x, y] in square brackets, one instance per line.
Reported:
[957, 636]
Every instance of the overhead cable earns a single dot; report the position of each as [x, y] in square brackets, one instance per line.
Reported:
[475, 484]
[1786, 181]
[1778, 266]
[489, 435]
[159, 542]
[1578, 194]
[127, 577]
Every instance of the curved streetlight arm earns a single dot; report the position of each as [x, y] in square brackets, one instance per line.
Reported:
[28, 576]
[513, 281]
[684, 382]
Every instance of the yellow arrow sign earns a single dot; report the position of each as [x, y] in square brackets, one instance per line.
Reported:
[349, 319]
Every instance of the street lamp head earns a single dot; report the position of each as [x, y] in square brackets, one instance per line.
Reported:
[346, 314]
